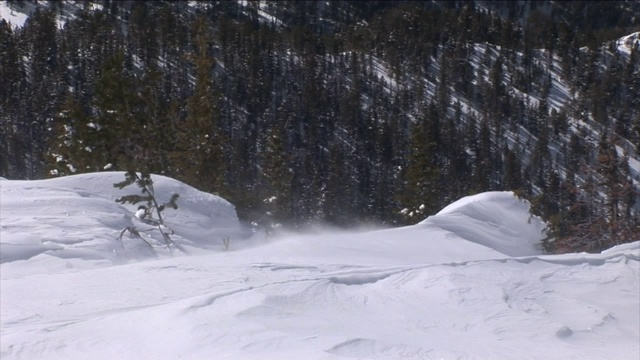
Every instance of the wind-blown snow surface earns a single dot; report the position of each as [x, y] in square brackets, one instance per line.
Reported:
[77, 217]
[467, 283]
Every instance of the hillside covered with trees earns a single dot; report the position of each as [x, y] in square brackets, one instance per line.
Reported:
[336, 111]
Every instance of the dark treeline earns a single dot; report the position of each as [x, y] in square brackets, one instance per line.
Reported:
[340, 112]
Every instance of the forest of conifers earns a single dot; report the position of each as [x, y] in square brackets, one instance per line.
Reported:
[338, 112]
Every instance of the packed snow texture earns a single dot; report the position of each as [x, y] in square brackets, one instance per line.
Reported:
[77, 217]
[466, 283]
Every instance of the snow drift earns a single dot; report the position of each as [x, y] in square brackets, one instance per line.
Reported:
[77, 217]
[467, 283]
[497, 220]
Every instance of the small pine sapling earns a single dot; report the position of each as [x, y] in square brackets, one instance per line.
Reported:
[152, 207]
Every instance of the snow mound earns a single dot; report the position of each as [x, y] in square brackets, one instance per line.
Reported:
[77, 217]
[497, 220]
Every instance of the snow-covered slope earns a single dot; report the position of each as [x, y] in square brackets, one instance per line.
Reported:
[77, 218]
[443, 289]
[494, 219]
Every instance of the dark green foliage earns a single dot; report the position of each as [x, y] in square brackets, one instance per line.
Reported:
[595, 215]
[422, 189]
[198, 148]
[145, 183]
[74, 147]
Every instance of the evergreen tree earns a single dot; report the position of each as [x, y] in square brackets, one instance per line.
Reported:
[11, 73]
[117, 117]
[40, 32]
[199, 142]
[278, 171]
[421, 192]
[71, 149]
[619, 191]
[512, 170]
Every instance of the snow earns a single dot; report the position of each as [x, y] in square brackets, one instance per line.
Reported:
[78, 217]
[626, 43]
[493, 219]
[16, 18]
[466, 283]
[17, 14]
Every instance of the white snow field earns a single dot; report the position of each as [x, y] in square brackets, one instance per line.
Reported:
[467, 283]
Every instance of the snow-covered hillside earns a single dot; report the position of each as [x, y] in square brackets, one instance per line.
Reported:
[468, 282]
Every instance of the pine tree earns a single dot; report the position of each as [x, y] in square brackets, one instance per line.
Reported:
[541, 157]
[41, 47]
[11, 73]
[152, 208]
[482, 161]
[117, 117]
[277, 169]
[72, 146]
[512, 170]
[198, 152]
[421, 192]
[158, 117]
[619, 192]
